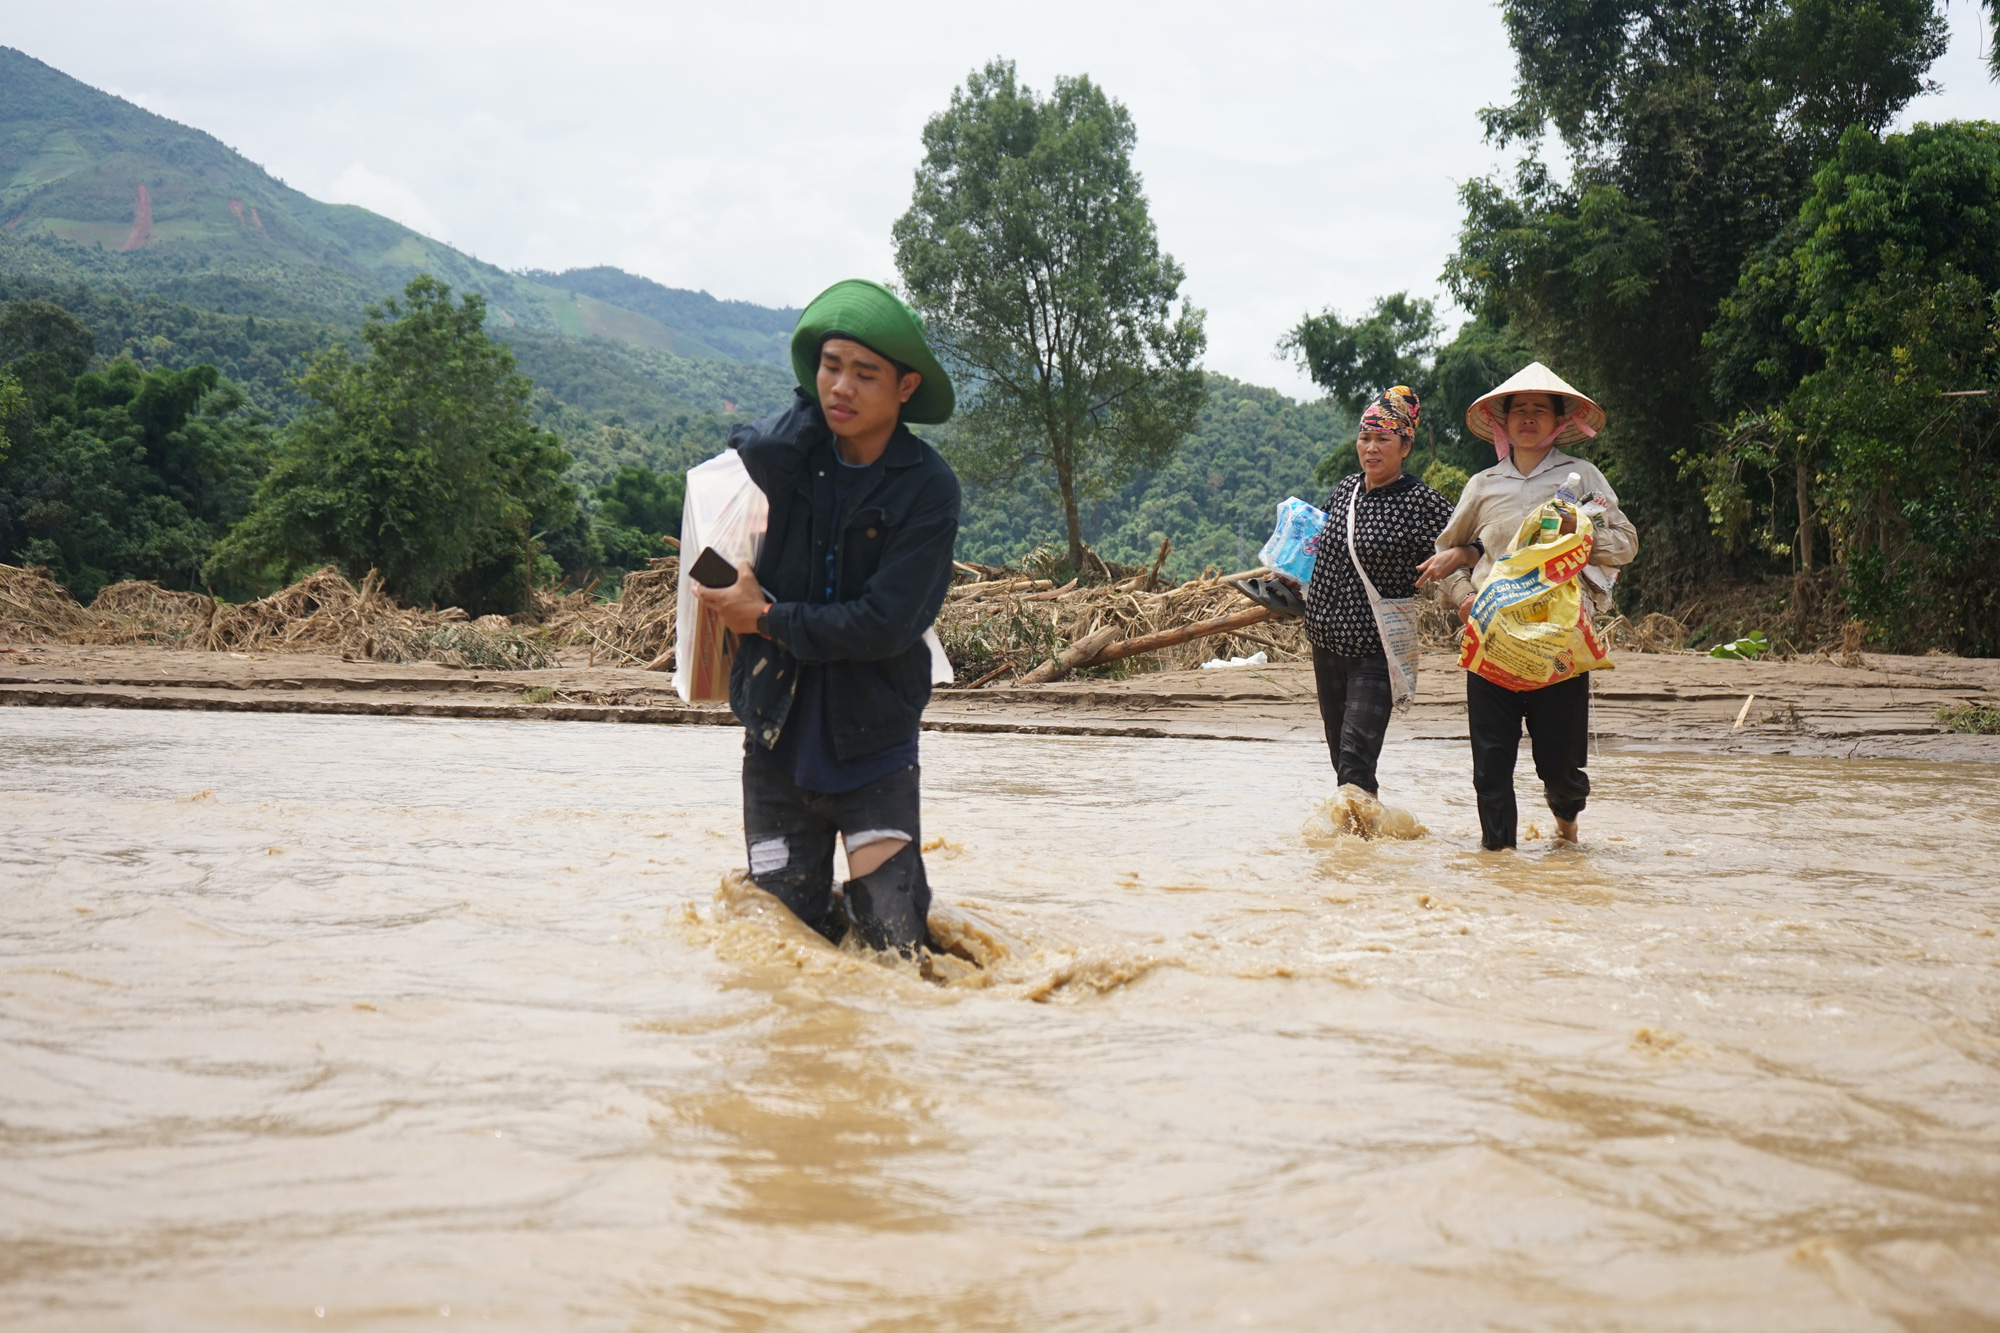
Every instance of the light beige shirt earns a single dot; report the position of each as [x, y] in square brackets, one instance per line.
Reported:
[1496, 502]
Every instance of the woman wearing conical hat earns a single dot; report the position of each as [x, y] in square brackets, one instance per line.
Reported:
[1528, 420]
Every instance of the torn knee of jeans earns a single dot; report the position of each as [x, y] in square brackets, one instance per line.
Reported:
[856, 841]
[768, 854]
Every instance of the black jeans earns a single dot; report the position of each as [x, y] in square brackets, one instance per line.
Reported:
[1558, 718]
[789, 834]
[1354, 707]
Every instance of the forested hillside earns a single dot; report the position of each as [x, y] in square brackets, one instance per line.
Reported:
[1216, 498]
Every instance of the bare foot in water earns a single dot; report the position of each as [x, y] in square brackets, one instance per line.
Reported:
[1566, 830]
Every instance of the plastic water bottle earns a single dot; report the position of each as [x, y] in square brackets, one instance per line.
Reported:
[1571, 491]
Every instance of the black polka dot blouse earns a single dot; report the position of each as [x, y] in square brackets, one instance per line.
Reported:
[1395, 529]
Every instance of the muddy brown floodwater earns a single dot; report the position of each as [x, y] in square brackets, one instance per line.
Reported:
[327, 1022]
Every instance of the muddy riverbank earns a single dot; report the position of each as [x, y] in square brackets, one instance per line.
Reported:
[1886, 707]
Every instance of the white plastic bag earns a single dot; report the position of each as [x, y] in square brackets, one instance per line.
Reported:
[941, 669]
[723, 508]
[1258, 658]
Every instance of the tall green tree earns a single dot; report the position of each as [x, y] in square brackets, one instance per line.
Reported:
[1029, 248]
[1862, 351]
[418, 459]
[1693, 127]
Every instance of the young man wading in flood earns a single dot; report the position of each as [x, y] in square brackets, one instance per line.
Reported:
[833, 670]
[1526, 418]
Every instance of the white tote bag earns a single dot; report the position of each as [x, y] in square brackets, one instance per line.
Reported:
[1395, 621]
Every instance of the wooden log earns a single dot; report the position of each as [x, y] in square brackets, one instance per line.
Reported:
[1052, 595]
[1152, 580]
[996, 588]
[992, 675]
[1169, 638]
[1257, 573]
[1083, 652]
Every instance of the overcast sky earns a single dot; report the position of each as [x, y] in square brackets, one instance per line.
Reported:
[1296, 155]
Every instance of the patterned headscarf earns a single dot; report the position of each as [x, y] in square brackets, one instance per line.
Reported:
[1394, 410]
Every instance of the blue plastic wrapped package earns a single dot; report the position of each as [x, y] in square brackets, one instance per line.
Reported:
[1295, 545]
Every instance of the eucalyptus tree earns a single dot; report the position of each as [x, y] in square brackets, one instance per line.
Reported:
[1029, 248]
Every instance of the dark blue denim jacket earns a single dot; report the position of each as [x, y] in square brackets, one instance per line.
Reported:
[892, 565]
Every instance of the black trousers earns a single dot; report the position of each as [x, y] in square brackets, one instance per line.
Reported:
[1558, 720]
[789, 833]
[1354, 707]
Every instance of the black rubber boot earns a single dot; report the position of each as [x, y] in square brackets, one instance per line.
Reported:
[891, 905]
[811, 902]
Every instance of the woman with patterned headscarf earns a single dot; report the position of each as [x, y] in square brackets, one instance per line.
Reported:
[1395, 523]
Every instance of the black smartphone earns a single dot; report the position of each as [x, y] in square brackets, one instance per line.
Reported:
[711, 570]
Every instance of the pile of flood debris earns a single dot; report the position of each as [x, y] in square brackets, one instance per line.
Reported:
[998, 624]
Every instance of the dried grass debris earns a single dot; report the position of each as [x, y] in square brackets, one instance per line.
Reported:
[322, 613]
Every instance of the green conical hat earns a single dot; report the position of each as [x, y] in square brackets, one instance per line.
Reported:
[871, 314]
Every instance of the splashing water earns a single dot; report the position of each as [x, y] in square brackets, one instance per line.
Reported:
[1354, 813]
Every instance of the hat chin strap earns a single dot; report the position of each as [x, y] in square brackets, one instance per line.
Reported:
[1503, 443]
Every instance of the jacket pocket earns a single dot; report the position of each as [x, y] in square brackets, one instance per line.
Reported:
[884, 700]
[863, 540]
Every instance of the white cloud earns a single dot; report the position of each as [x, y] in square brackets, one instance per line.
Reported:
[385, 195]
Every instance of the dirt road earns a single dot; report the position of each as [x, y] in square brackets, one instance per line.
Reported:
[1886, 707]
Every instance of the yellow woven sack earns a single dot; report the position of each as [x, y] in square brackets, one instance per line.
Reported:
[1528, 626]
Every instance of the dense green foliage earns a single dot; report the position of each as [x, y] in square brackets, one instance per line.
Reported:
[1862, 352]
[1790, 319]
[614, 403]
[259, 354]
[1217, 497]
[418, 459]
[1693, 128]
[120, 473]
[635, 509]
[1029, 246]
[1397, 343]
[1393, 344]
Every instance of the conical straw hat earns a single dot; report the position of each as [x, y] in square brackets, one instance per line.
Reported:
[1537, 378]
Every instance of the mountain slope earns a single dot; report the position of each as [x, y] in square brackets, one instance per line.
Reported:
[738, 329]
[108, 191]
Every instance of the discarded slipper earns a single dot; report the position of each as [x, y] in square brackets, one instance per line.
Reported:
[1272, 592]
